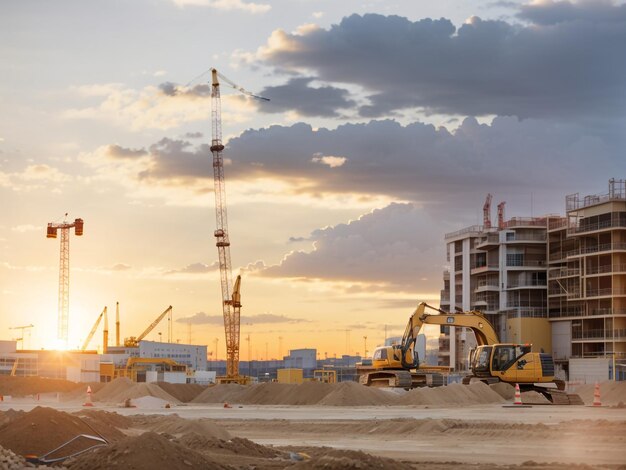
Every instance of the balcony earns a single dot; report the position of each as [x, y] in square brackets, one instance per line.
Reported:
[606, 292]
[444, 296]
[527, 284]
[485, 268]
[563, 272]
[527, 238]
[597, 249]
[475, 229]
[527, 312]
[600, 334]
[594, 227]
[491, 241]
[608, 268]
[526, 222]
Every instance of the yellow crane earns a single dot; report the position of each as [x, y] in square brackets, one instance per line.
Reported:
[105, 332]
[133, 342]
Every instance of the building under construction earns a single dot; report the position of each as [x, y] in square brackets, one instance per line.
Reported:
[558, 282]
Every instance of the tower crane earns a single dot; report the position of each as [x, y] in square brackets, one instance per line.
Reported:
[133, 342]
[64, 269]
[231, 296]
[105, 332]
[487, 211]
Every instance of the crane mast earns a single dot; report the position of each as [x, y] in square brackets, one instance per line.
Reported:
[231, 301]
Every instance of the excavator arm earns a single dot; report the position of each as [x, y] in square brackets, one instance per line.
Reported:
[474, 320]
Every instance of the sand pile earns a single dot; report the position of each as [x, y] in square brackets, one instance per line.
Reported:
[9, 415]
[237, 446]
[505, 390]
[334, 459]
[182, 392]
[174, 424]
[105, 417]
[123, 388]
[274, 393]
[450, 395]
[147, 451]
[611, 393]
[354, 394]
[43, 429]
[22, 386]
[220, 393]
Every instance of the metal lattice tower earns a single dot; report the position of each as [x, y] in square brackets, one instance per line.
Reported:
[231, 304]
[64, 271]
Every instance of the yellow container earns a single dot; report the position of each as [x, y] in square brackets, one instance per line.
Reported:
[290, 376]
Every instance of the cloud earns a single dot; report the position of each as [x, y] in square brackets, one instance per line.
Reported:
[115, 151]
[394, 247]
[227, 5]
[196, 268]
[297, 95]
[120, 267]
[270, 318]
[202, 318]
[569, 62]
[26, 228]
[165, 106]
[415, 162]
[34, 177]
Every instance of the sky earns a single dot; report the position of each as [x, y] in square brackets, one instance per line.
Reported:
[388, 123]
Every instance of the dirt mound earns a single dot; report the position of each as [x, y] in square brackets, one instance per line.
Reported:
[220, 393]
[110, 418]
[147, 451]
[455, 394]
[354, 394]
[506, 391]
[22, 386]
[182, 392]
[43, 429]
[611, 393]
[123, 388]
[9, 415]
[333, 459]
[174, 424]
[237, 446]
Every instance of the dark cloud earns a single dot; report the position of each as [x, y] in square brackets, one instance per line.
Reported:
[394, 247]
[173, 89]
[297, 95]
[569, 63]
[416, 162]
[194, 135]
[115, 151]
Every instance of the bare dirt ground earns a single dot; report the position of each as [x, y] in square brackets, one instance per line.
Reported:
[443, 429]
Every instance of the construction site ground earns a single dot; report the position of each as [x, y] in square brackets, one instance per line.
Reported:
[437, 435]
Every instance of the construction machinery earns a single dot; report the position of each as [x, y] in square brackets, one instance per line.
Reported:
[23, 329]
[105, 332]
[231, 296]
[133, 342]
[136, 367]
[490, 361]
[64, 270]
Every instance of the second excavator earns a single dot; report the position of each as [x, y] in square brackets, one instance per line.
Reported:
[490, 362]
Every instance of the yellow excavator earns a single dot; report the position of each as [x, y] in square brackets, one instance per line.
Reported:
[490, 362]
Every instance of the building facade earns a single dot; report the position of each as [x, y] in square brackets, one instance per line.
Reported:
[558, 282]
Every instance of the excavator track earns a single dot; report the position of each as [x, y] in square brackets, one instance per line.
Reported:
[387, 378]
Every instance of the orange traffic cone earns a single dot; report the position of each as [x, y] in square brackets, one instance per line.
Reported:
[518, 396]
[88, 402]
[596, 395]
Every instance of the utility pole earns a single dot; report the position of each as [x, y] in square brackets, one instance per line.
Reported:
[280, 348]
[364, 346]
[249, 354]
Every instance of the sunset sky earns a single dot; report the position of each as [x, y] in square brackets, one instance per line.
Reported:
[388, 124]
